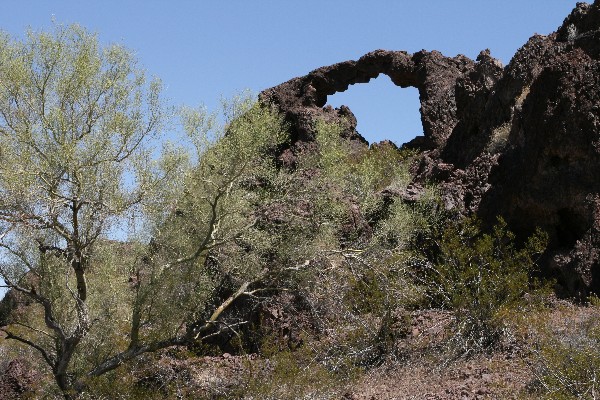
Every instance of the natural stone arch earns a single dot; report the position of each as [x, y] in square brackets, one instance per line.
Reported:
[434, 75]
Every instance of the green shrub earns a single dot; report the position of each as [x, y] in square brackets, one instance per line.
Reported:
[298, 375]
[566, 358]
[478, 275]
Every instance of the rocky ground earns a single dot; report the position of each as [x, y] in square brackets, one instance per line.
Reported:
[428, 363]
[509, 372]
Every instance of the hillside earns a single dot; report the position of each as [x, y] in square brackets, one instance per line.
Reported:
[284, 257]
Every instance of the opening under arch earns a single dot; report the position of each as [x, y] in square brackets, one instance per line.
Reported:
[383, 110]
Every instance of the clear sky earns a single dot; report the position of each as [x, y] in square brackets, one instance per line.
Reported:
[207, 49]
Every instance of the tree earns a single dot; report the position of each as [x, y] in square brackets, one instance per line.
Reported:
[76, 127]
[209, 228]
[202, 239]
[75, 123]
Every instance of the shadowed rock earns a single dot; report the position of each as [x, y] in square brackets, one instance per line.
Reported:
[302, 99]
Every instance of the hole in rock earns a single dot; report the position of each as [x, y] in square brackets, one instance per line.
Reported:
[383, 110]
[571, 227]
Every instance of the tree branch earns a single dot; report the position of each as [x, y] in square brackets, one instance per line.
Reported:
[9, 335]
[135, 350]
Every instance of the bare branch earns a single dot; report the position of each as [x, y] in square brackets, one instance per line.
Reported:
[49, 316]
[9, 335]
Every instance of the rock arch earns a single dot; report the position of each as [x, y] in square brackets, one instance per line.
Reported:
[434, 75]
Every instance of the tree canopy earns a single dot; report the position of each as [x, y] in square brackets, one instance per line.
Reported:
[75, 124]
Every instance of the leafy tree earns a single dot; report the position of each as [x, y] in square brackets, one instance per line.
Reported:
[75, 121]
[208, 240]
[76, 126]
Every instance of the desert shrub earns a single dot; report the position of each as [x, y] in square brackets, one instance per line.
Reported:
[566, 359]
[478, 275]
[336, 242]
[351, 178]
[300, 375]
[354, 277]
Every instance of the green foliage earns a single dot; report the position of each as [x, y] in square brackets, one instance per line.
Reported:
[209, 234]
[298, 375]
[366, 294]
[76, 125]
[143, 297]
[478, 275]
[357, 174]
[231, 233]
[565, 358]
[571, 369]
[354, 275]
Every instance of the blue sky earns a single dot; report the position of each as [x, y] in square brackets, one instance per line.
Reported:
[207, 49]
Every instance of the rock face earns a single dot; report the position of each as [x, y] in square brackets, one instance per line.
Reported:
[521, 141]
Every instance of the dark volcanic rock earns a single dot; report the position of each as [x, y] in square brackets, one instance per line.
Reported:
[303, 99]
[521, 141]
[549, 174]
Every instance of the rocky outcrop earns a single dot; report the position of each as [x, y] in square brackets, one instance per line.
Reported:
[521, 141]
[302, 99]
